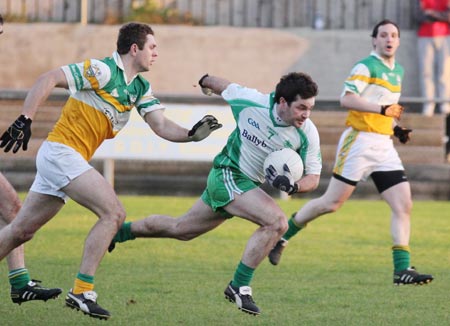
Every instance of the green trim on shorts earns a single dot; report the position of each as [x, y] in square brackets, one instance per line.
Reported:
[222, 184]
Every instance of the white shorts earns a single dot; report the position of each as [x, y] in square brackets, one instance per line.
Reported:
[360, 153]
[57, 165]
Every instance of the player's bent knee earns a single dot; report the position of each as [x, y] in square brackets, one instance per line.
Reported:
[403, 210]
[284, 225]
[280, 224]
[119, 218]
[14, 210]
[331, 207]
[117, 215]
[407, 206]
[10, 212]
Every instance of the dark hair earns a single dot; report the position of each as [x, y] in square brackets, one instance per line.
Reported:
[132, 33]
[1, 19]
[382, 23]
[293, 85]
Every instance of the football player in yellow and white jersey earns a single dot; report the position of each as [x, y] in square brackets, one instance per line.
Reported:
[103, 92]
[366, 149]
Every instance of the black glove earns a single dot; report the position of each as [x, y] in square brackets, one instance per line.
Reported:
[283, 182]
[205, 90]
[204, 128]
[18, 133]
[392, 110]
[402, 134]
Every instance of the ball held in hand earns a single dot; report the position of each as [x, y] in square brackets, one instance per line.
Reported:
[285, 156]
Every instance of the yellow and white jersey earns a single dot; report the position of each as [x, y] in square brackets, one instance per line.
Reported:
[100, 103]
[374, 80]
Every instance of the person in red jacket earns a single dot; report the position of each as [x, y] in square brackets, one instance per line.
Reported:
[433, 43]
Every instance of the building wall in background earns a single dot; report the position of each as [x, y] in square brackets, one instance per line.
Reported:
[322, 14]
[255, 57]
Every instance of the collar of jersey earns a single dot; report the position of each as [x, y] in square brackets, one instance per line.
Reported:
[276, 120]
[376, 55]
[119, 63]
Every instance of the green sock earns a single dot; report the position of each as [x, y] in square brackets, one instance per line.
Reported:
[124, 233]
[19, 278]
[85, 278]
[293, 228]
[401, 257]
[243, 275]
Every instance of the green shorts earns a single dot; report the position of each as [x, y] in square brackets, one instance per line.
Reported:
[221, 186]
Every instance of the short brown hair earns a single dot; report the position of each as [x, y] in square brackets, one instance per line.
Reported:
[293, 85]
[132, 33]
[382, 23]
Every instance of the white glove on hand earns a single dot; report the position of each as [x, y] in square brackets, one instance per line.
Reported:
[283, 182]
[204, 128]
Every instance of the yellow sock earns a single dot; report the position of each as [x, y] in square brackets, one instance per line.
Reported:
[82, 286]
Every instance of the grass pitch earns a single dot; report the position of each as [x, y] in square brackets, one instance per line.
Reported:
[338, 271]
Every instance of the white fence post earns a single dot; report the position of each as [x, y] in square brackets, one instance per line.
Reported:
[108, 170]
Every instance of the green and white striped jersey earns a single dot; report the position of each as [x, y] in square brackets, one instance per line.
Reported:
[259, 131]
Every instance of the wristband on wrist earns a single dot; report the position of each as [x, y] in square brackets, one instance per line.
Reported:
[200, 82]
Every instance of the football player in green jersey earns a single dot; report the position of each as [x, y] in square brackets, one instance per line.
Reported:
[264, 123]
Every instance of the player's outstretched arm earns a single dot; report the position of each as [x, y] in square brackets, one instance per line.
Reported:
[18, 133]
[41, 89]
[171, 131]
[213, 84]
[204, 127]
